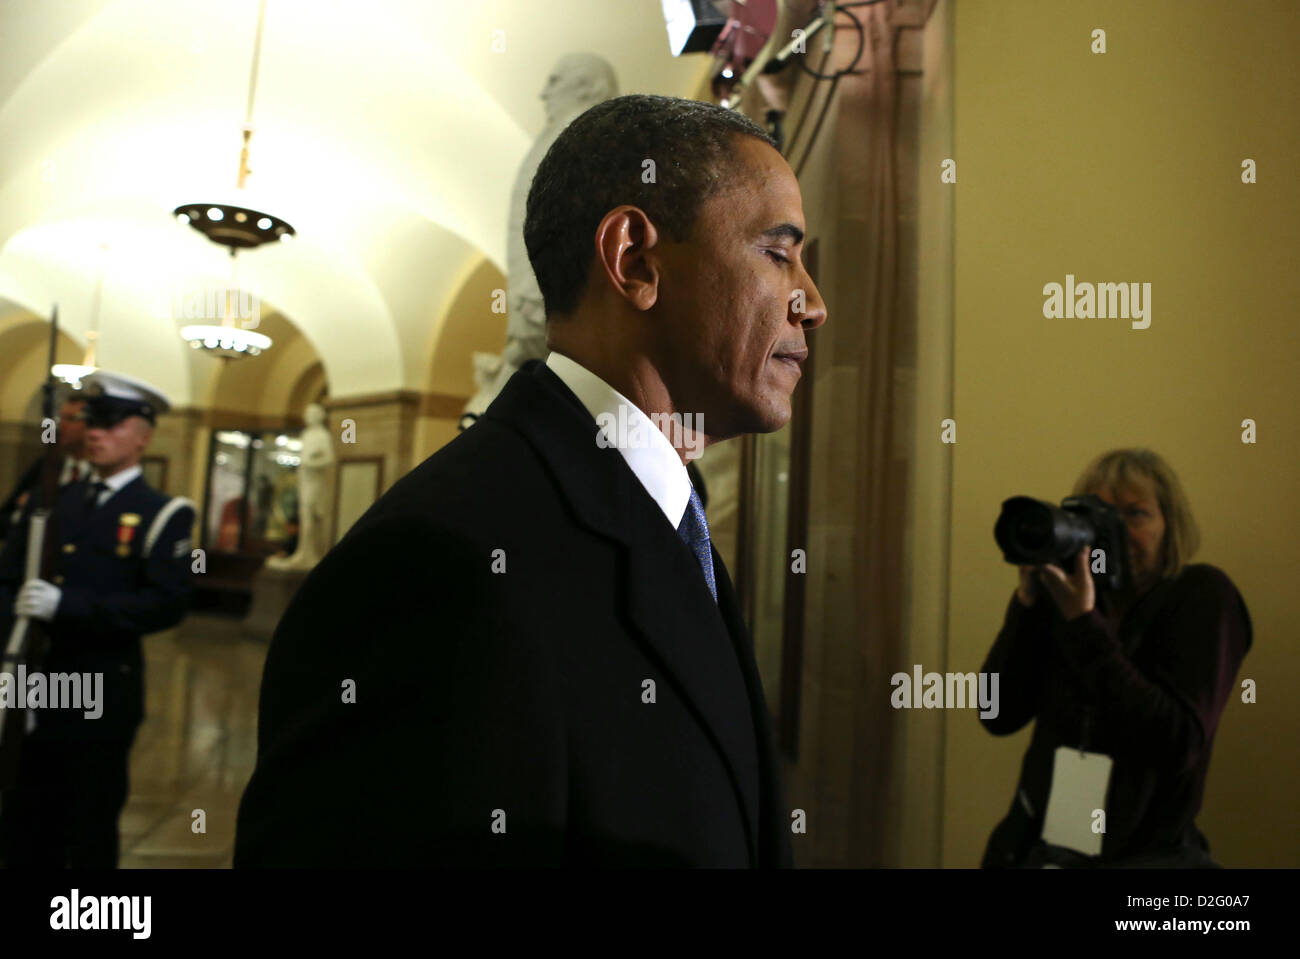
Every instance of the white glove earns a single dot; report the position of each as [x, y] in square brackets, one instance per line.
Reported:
[38, 599]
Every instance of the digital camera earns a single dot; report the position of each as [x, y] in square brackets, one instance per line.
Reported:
[1031, 531]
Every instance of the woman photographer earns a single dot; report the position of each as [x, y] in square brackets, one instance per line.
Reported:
[1133, 682]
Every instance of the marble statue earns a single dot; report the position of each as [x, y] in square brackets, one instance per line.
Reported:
[317, 458]
[577, 82]
[487, 366]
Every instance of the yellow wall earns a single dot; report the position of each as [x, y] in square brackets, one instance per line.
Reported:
[468, 325]
[24, 353]
[262, 385]
[1125, 166]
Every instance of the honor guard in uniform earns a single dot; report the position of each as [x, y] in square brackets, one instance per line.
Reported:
[123, 570]
[73, 466]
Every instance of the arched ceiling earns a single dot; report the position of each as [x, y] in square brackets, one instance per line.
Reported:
[388, 133]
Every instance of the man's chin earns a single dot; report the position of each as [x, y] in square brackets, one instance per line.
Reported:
[769, 419]
[763, 416]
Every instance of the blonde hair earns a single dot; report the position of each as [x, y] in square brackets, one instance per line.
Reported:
[1143, 468]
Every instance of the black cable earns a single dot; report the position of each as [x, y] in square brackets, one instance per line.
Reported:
[798, 127]
[819, 76]
[835, 79]
[812, 141]
[862, 45]
[816, 74]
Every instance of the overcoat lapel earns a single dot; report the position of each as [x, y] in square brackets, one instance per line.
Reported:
[771, 822]
[668, 602]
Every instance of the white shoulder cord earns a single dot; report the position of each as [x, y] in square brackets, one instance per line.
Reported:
[160, 521]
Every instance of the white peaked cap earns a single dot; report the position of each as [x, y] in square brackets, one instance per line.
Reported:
[125, 390]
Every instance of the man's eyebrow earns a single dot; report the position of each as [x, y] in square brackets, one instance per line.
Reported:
[785, 229]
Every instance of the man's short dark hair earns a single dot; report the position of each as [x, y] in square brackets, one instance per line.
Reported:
[597, 163]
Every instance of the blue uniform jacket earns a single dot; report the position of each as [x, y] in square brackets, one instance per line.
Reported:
[114, 591]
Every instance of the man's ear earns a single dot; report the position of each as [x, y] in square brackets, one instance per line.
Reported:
[627, 253]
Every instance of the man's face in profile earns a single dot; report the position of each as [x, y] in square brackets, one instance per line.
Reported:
[113, 448]
[729, 300]
[72, 429]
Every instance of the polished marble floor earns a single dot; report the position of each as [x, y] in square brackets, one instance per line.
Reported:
[196, 748]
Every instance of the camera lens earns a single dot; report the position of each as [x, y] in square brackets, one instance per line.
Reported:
[1032, 531]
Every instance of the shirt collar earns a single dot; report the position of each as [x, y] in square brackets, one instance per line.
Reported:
[118, 480]
[655, 462]
[73, 469]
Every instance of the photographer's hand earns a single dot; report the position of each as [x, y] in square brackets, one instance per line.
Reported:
[1073, 593]
[1027, 591]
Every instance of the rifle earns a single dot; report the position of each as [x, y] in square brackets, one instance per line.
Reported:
[29, 639]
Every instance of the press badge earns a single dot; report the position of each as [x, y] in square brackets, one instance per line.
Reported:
[1079, 784]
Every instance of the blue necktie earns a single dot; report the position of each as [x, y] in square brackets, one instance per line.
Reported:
[96, 490]
[694, 531]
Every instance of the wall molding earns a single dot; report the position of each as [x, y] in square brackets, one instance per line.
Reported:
[438, 405]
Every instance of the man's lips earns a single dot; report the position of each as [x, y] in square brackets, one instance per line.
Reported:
[792, 359]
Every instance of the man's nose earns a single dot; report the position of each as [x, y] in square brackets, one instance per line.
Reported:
[814, 313]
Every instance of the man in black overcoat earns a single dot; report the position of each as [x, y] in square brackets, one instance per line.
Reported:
[527, 652]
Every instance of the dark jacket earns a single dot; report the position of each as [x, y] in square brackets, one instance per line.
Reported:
[113, 593]
[1149, 694]
[11, 508]
[541, 676]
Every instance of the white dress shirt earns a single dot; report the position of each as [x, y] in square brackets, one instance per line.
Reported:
[73, 470]
[656, 464]
[116, 482]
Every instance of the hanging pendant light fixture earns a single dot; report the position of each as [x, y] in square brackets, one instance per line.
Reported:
[228, 340]
[73, 373]
[238, 228]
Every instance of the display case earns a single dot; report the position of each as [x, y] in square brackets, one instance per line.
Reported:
[251, 496]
